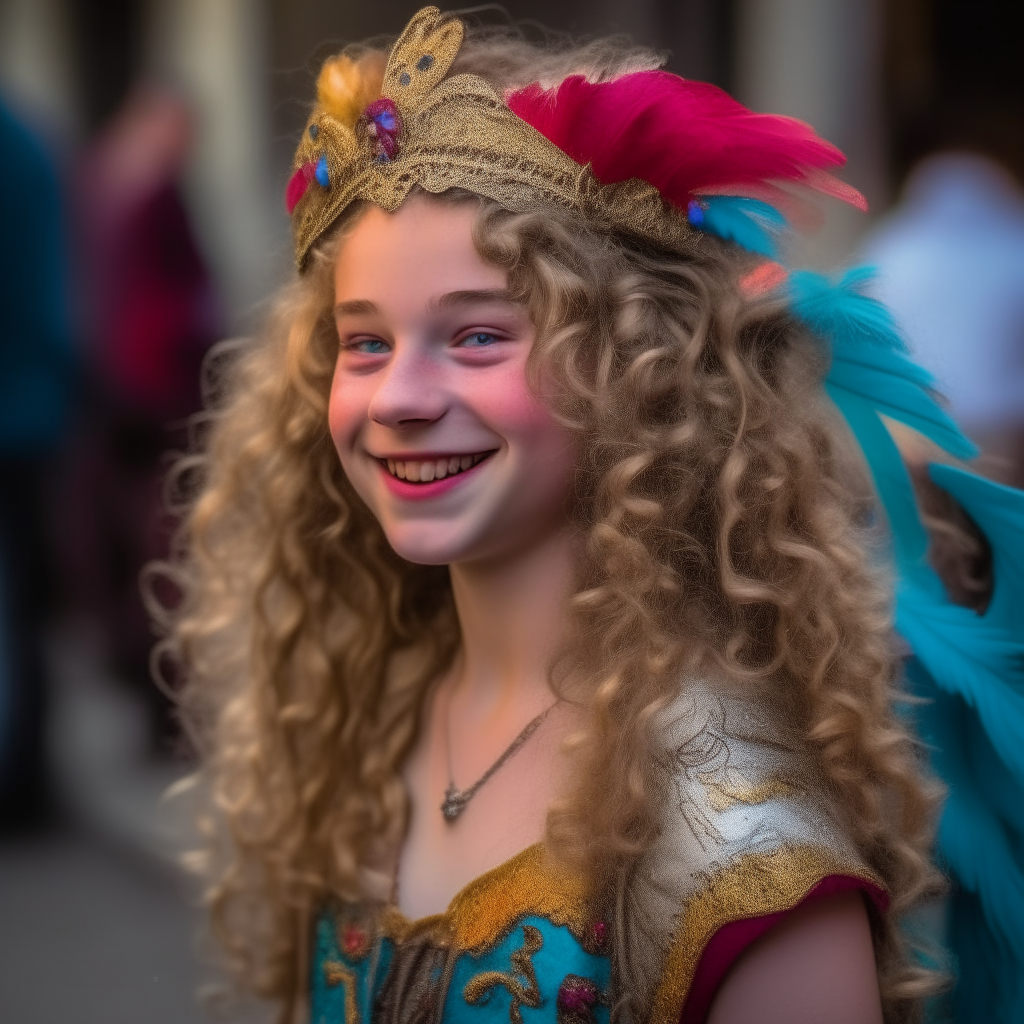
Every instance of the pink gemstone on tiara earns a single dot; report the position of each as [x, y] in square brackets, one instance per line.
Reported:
[384, 123]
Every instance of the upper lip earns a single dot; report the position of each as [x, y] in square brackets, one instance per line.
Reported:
[427, 456]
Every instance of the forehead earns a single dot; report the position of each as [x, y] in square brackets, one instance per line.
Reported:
[425, 248]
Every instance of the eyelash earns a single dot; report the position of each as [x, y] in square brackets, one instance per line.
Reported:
[479, 334]
[360, 347]
[356, 346]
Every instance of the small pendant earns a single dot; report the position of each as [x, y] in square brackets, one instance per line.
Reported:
[454, 802]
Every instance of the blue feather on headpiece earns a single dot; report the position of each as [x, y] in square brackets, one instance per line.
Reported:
[749, 223]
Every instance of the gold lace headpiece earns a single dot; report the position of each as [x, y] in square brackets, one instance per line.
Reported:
[626, 154]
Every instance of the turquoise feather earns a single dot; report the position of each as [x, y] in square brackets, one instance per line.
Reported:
[970, 667]
[747, 222]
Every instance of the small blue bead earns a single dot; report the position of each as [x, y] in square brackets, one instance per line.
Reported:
[424, 63]
[322, 175]
[404, 78]
[314, 131]
[695, 213]
[386, 120]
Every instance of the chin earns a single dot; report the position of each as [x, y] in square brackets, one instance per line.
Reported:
[428, 545]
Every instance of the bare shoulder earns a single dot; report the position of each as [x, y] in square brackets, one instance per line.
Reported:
[817, 966]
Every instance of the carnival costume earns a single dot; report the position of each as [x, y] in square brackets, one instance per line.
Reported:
[748, 834]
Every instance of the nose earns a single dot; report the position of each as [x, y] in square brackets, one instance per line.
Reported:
[409, 392]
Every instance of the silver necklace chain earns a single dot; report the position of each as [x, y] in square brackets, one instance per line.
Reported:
[455, 799]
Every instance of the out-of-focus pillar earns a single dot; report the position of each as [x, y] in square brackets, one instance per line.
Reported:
[821, 61]
[35, 63]
[216, 52]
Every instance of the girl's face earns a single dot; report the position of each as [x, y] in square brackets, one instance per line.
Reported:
[430, 410]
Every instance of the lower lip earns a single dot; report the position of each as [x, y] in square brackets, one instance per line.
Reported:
[421, 492]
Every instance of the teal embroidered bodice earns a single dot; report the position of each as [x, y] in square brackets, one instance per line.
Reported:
[539, 972]
[513, 946]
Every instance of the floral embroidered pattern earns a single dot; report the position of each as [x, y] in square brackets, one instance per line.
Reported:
[577, 997]
[355, 941]
[596, 938]
[521, 981]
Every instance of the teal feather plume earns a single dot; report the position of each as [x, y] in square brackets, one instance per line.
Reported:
[870, 358]
[970, 667]
[999, 512]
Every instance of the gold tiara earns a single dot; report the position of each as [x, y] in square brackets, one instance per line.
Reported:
[442, 133]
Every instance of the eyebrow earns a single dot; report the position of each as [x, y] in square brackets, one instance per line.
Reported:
[450, 300]
[473, 297]
[355, 307]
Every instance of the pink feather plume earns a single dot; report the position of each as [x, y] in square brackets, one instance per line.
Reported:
[684, 138]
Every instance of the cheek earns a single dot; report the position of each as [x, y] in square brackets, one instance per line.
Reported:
[508, 402]
[545, 450]
[346, 411]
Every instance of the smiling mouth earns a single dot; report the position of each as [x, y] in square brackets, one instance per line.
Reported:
[424, 471]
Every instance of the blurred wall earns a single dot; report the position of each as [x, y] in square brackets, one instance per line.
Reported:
[821, 61]
[954, 79]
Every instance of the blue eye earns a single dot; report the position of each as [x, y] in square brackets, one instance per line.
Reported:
[370, 346]
[479, 339]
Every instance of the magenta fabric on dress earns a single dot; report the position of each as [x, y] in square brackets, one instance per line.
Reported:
[682, 137]
[732, 939]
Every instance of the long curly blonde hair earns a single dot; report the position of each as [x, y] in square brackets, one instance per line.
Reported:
[722, 509]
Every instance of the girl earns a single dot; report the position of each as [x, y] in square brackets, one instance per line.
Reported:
[528, 620]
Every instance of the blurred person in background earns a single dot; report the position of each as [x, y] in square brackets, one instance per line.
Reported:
[36, 375]
[951, 267]
[150, 313]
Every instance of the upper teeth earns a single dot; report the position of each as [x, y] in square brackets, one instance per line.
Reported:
[420, 471]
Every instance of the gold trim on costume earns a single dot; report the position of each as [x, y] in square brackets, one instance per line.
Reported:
[755, 885]
[487, 909]
[525, 886]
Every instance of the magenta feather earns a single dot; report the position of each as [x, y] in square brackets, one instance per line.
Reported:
[684, 138]
[298, 184]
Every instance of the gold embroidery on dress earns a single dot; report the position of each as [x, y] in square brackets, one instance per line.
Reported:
[338, 974]
[487, 909]
[755, 885]
[523, 993]
[732, 787]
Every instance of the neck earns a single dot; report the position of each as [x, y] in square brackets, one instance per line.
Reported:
[512, 614]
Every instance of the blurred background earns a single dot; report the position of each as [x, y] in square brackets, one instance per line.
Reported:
[144, 149]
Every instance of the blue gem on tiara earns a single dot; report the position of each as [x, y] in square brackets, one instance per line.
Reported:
[321, 173]
[695, 213]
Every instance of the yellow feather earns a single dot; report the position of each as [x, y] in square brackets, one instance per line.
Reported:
[346, 86]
